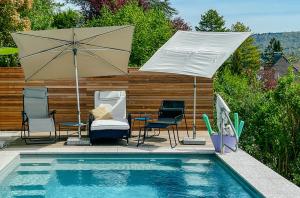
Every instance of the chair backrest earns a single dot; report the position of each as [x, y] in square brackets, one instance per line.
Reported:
[171, 108]
[35, 102]
[117, 99]
[173, 104]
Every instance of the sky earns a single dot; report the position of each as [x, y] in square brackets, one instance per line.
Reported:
[260, 15]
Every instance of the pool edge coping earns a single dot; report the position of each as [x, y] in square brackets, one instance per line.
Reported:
[259, 176]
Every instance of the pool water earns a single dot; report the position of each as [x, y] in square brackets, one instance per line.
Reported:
[122, 176]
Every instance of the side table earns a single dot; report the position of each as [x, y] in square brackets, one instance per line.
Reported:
[69, 125]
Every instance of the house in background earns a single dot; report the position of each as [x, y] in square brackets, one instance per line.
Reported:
[280, 66]
[269, 74]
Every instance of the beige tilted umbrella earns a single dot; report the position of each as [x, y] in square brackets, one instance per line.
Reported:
[74, 53]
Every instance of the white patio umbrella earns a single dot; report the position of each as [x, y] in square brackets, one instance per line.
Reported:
[197, 54]
[74, 53]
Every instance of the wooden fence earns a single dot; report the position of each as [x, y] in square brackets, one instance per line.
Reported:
[144, 90]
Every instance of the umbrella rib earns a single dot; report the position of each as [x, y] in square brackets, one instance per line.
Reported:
[105, 61]
[104, 33]
[42, 37]
[42, 51]
[112, 48]
[44, 65]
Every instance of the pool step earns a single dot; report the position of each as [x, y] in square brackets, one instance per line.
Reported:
[199, 168]
[30, 180]
[29, 196]
[35, 164]
[24, 191]
[103, 166]
[35, 172]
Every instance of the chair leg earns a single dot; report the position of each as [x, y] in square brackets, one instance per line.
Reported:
[170, 139]
[145, 132]
[22, 130]
[186, 127]
[157, 133]
[139, 137]
[177, 134]
[174, 135]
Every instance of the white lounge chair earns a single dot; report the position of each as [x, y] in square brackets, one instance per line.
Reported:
[116, 128]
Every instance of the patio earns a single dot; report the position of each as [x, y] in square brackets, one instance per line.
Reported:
[158, 143]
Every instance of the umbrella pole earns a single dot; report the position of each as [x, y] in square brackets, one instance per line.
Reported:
[194, 116]
[194, 140]
[77, 91]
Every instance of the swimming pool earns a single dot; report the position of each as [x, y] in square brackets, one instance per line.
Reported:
[122, 176]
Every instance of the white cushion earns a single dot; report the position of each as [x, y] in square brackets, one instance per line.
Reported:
[110, 125]
[117, 99]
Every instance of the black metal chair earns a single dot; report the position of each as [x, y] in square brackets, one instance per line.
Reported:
[173, 112]
[156, 125]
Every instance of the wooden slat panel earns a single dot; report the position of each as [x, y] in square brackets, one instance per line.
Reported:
[145, 91]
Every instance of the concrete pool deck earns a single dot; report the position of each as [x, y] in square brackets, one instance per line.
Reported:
[262, 178]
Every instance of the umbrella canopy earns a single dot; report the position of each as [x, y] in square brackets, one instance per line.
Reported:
[197, 54]
[48, 54]
[74, 53]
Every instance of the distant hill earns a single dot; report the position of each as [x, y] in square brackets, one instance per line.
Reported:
[290, 41]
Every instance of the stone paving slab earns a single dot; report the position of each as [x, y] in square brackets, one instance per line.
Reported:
[265, 180]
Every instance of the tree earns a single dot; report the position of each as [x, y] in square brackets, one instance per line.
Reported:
[178, 23]
[67, 19]
[211, 21]
[92, 8]
[12, 20]
[42, 13]
[269, 53]
[152, 28]
[163, 5]
[247, 56]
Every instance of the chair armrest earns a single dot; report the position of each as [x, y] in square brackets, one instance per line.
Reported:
[91, 119]
[52, 113]
[178, 118]
[24, 116]
[129, 122]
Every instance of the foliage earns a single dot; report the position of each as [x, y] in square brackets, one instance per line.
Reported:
[178, 23]
[163, 5]
[92, 8]
[67, 19]
[272, 118]
[8, 51]
[152, 29]
[247, 57]
[12, 20]
[211, 21]
[269, 53]
[42, 13]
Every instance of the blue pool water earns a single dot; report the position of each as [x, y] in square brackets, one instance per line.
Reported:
[122, 176]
